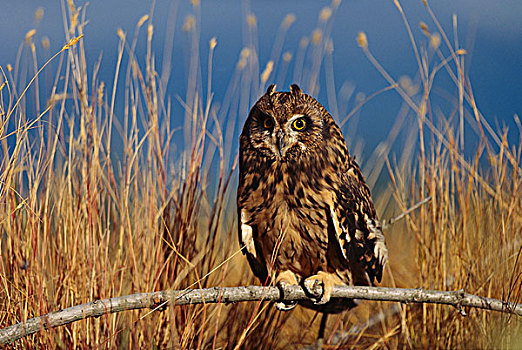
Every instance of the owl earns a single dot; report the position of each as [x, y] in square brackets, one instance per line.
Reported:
[305, 214]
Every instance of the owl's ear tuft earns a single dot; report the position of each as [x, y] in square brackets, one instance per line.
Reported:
[271, 89]
[295, 89]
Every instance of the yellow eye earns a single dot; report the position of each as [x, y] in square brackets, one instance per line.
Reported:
[299, 124]
[268, 123]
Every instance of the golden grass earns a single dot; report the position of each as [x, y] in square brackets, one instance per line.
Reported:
[80, 220]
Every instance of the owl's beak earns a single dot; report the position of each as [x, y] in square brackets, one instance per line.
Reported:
[281, 143]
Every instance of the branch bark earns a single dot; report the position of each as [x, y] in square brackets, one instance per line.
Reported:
[158, 300]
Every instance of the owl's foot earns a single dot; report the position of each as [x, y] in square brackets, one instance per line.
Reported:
[320, 286]
[285, 305]
[284, 279]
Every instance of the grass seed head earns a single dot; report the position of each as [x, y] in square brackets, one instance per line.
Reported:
[142, 20]
[362, 40]
[46, 44]
[317, 34]
[289, 20]
[121, 34]
[38, 14]
[268, 70]
[243, 56]
[435, 40]
[407, 85]
[325, 14]
[212, 43]
[404, 82]
[424, 28]
[251, 20]
[150, 30]
[190, 23]
[72, 42]
[398, 5]
[29, 36]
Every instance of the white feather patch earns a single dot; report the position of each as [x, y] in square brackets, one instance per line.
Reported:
[247, 236]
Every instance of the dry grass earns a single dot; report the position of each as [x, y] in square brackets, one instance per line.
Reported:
[80, 220]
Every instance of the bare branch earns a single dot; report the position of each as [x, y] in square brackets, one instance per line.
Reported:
[157, 300]
[386, 224]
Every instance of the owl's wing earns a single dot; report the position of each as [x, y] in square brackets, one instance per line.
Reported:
[357, 228]
[247, 235]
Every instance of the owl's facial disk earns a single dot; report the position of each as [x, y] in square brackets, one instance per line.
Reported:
[290, 134]
[279, 138]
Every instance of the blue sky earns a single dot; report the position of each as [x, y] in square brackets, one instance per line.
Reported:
[491, 31]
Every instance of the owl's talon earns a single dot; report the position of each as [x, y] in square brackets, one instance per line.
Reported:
[319, 287]
[284, 305]
[314, 287]
[284, 279]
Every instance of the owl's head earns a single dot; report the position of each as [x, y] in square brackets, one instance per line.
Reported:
[286, 125]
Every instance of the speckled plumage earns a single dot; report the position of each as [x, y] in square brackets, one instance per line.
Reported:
[305, 213]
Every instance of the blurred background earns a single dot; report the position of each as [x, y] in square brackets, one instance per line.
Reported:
[490, 32]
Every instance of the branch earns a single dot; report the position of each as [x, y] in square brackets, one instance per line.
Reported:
[158, 300]
[386, 224]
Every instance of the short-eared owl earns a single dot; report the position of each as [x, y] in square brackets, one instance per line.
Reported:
[305, 213]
